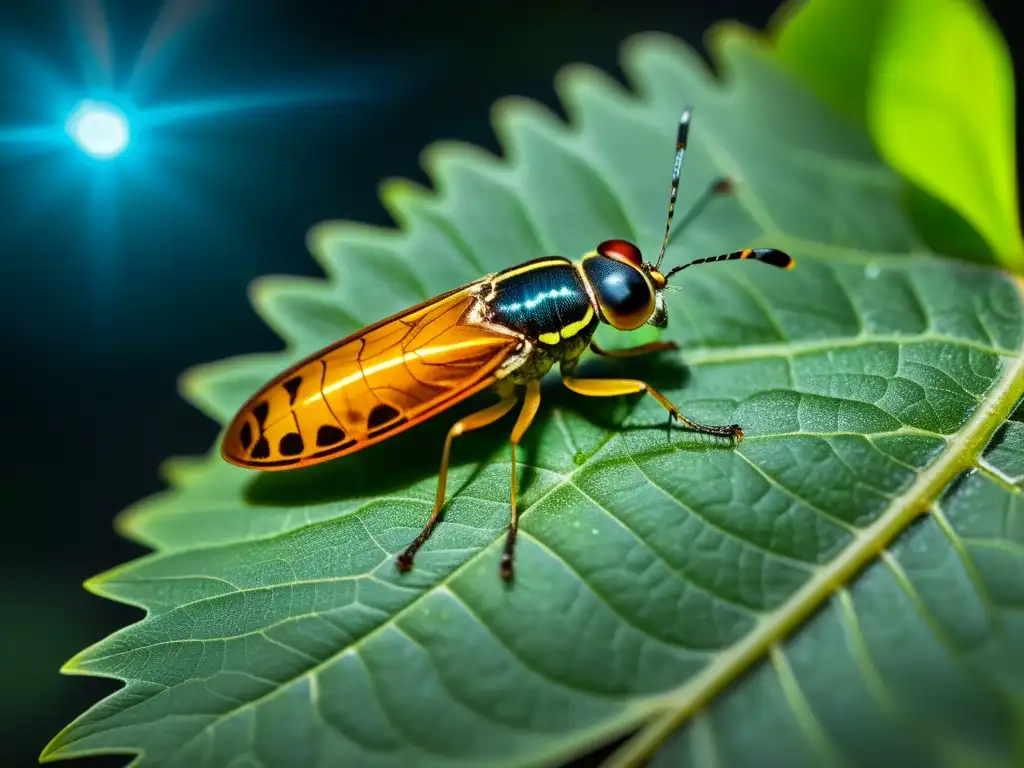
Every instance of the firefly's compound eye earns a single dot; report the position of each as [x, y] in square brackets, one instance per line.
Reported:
[623, 250]
[623, 292]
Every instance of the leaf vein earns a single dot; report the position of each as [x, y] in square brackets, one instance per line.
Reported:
[661, 558]
[824, 515]
[955, 653]
[970, 567]
[801, 708]
[687, 651]
[803, 564]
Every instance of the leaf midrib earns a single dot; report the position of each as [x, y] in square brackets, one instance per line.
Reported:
[713, 355]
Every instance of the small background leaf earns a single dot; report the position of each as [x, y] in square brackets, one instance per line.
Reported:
[933, 81]
[845, 582]
[829, 47]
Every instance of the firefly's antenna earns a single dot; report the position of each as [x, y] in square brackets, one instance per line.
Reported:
[767, 255]
[684, 130]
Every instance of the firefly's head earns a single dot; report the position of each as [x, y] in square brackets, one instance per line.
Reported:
[627, 290]
[631, 292]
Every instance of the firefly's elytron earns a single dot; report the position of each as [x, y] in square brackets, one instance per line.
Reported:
[503, 331]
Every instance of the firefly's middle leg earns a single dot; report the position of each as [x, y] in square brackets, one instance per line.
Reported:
[473, 421]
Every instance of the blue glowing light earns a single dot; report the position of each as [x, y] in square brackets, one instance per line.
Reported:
[537, 300]
[99, 129]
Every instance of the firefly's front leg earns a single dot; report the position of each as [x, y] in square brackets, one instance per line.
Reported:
[612, 387]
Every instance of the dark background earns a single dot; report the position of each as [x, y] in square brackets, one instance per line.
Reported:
[115, 279]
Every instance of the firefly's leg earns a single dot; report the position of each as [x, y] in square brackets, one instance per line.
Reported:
[643, 349]
[476, 420]
[720, 186]
[611, 387]
[530, 405]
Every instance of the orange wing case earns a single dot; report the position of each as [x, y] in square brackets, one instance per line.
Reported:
[369, 386]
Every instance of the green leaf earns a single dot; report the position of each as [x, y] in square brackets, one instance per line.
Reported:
[845, 582]
[933, 81]
[942, 113]
[829, 46]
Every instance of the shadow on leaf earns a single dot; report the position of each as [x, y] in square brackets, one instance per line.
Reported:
[384, 468]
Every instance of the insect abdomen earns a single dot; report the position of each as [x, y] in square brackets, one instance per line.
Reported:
[545, 300]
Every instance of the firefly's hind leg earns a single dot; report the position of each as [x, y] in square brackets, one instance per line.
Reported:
[476, 420]
[530, 405]
[611, 387]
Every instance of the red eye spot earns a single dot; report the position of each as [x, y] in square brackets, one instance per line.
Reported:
[622, 250]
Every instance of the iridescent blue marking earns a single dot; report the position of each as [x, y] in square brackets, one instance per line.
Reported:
[542, 300]
[537, 300]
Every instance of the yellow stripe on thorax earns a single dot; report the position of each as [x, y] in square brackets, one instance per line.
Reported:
[531, 267]
[569, 331]
[573, 328]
